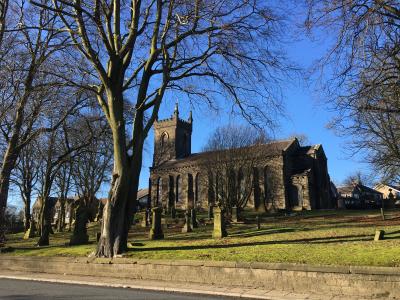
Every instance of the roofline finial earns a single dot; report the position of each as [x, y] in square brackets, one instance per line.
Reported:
[176, 110]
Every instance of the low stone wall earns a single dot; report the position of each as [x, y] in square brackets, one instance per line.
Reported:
[378, 282]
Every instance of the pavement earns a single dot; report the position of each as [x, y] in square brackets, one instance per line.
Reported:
[18, 286]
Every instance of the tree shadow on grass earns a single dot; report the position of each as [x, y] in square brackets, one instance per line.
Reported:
[51, 246]
[239, 234]
[322, 240]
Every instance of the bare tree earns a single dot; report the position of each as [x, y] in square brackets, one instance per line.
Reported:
[27, 90]
[90, 170]
[63, 182]
[3, 13]
[231, 165]
[25, 177]
[59, 147]
[198, 48]
[358, 177]
[365, 58]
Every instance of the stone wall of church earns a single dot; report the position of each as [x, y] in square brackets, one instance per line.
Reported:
[191, 186]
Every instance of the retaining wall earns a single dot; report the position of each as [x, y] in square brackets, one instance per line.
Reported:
[378, 282]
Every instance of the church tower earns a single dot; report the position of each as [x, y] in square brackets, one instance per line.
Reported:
[172, 138]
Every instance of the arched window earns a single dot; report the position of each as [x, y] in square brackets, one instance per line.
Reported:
[190, 191]
[178, 192]
[211, 189]
[164, 139]
[159, 191]
[267, 185]
[196, 190]
[241, 185]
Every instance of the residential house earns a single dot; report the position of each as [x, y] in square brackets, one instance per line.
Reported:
[359, 196]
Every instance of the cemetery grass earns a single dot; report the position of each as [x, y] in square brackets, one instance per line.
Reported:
[317, 238]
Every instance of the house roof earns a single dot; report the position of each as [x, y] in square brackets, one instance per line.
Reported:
[393, 187]
[362, 188]
[51, 201]
[142, 193]
[345, 189]
[268, 149]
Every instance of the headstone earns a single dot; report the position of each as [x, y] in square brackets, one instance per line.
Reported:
[187, 227]
[382, 213]
[145, 219]
[379, 234]
[210, 212]
[235, 217]
[193, 217]
[258, 220]
[156, 232]
[173, 212]
[79, 235]
[219, 224]
[30, 233]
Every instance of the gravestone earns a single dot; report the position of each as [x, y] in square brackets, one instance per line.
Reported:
[79, 235]
[235, 214]
[173, 212]
[187, 227]
[145, 219]
[379, 234]
[219, 224]
[258, 220]
[210, 212]
[30, 233]
[382, 213]
[156, 232]
[193, 217]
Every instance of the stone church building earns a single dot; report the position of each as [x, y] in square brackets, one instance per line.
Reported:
[283, 176]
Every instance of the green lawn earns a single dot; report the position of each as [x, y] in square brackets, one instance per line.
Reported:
[319, 238]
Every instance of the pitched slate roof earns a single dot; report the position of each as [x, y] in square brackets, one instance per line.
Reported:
[142, 193]
[268, 149]
[362, 188]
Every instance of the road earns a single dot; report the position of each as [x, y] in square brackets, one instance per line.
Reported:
[22, 289]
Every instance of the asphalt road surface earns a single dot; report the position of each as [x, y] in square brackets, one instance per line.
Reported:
[33, 290]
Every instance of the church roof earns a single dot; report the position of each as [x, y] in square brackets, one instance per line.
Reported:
[266, 150]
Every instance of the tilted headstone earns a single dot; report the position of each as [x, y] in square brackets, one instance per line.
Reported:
[156, 232]
[379, 234]
[219, 224]
[187, 227]
[194, 218]
[30, 233]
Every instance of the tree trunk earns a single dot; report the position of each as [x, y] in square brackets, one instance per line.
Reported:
[71, 216]
[45, 218]
[61, 217]
[27, 215]
[119, 208]
[113, 239]
[5, 174]
[12, 153]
